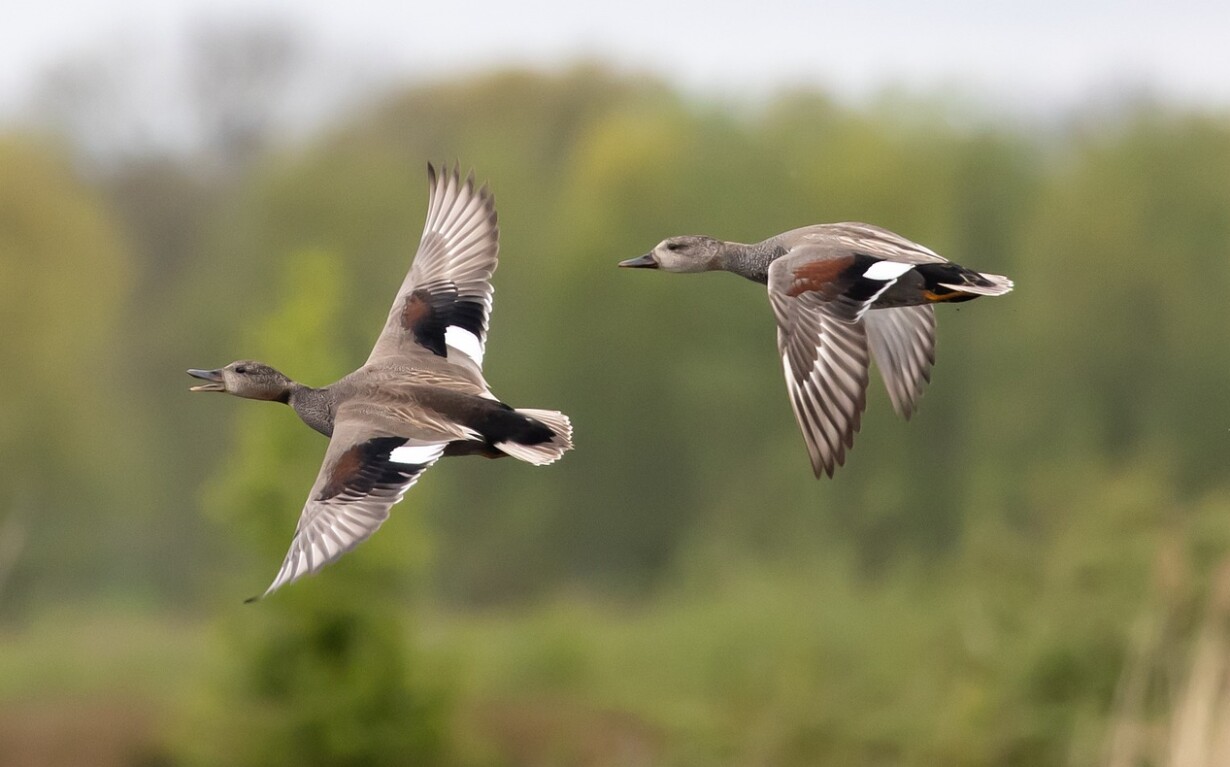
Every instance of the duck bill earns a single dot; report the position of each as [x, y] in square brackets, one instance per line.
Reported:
[646, 261]
[214, 378]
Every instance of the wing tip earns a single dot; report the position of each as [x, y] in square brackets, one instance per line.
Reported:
[827, 468]
[449, 175]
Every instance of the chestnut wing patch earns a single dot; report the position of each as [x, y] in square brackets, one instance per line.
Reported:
[430, 311]
[366, 469]
[820, 275]
[444, 301]
[849, 284]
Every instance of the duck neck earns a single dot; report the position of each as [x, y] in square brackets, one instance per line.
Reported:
[750, 261]
[314, 407]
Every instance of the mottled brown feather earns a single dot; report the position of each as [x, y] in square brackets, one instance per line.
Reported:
[415, 310]
[817, 274]
[347, 468]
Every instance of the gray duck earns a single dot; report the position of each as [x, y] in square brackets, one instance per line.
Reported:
[842, 294]
[419, 397]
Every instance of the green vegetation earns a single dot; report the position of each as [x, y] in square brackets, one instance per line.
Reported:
[322, 676]
[1022, 575]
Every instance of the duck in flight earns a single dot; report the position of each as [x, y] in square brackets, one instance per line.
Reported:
[419, 397]
[843, 294]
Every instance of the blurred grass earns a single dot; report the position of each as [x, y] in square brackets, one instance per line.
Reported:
[97, 650]
[759, 663]
[736, 675]
[95, 684]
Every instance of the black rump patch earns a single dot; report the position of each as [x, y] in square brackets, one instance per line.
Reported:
[937, 276]
[503, 424]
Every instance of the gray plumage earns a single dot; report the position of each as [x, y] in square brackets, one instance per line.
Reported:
[842, 294]
[420, 396]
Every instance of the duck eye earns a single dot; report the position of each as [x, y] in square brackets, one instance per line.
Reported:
[241, 369]
[673, 246]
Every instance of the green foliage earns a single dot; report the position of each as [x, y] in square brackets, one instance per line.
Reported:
[320, 672]
[1009, 652]
[961, 593]
[64, 280]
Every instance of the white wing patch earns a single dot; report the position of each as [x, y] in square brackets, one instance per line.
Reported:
[887, 270]
[417, 454]
[465, 342]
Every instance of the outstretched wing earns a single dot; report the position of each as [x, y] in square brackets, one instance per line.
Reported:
[444, 304]
[825, 359]
[362, 476]
[902, 342]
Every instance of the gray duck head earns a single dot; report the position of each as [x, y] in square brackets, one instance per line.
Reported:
[689, 253]
[245, 378]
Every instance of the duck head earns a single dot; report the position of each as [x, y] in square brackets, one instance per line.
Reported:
[689, 253]
[245, 378]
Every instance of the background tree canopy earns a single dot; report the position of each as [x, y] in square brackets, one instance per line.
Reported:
[1018, 576]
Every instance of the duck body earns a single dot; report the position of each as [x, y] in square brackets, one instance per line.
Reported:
[420, 396]
[842, 295]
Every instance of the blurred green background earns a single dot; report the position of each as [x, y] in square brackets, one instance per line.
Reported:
[1034, 571]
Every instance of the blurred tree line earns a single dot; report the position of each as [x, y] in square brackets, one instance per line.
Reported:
[1106, 357]
[1064, 477]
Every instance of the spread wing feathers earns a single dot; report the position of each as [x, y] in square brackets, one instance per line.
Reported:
[902, 342]
[361, 478]
[825, 362]
[444, 304]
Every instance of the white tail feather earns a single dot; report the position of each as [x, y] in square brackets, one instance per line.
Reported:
[544, 452]
[999, 286]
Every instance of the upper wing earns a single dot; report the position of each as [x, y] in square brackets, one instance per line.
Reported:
[362, 476]
[825, 360]
[902, 341]
[869, 239]
[444, 303]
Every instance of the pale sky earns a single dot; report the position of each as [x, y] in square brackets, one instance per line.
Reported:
[1027, 56]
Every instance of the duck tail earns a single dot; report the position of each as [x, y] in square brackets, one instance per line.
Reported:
[981, 284]
[536, 450]
[952, 282]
